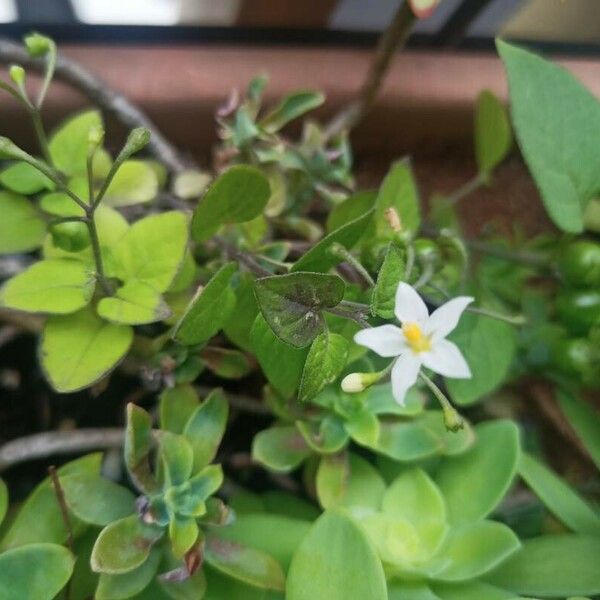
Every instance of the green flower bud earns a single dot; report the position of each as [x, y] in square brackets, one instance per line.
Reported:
[453, 420]
[37, 44]
[17, 74]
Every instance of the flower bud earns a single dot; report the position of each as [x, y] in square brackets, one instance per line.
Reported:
[37, 44]
[357, 382]
[453, 420]
[17, 74]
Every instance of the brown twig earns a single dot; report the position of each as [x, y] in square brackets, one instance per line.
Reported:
[394, 37]
[42, 445]
[99, 93]
[62, 503]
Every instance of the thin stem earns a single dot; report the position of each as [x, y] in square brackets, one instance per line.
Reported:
[512, 319]
[342, 252]
[394, 37]
[50, 68]
[528, 259]
[41, 135]
[347, 314]
[452, 419]
[62, 503]
[90, 179]
[426, 275]
[91, 224]
[410, 261]
[466, 189]
[276, 263]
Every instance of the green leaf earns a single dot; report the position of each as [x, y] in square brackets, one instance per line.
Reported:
[3, 500]
[350, 209]
[474, 590]
[22, 178]
[474, 482]
[239, 324]
[556, 133]
[177, 457]
[209, 309]
[176, 407]
[276, 535]
[400, 590]
[292, 304]
[493, 136]
[489, 346]
[363, 427]
[226, 363]
[152, 250]
[183, 533]
[135, 182]
[324, 362]
[552, 566]
[96, 500]
[249, 565]
[320, 258]
[126, 585]
[69, 144]
[398, 191]
[50, 286]
[473, 549]
[281, 363]
[584, 420]
[390, 275]
[379, 400]
[324, 436]
[280, 448]
[335, 561]
[290, 108]
[21, 228]
[415, 498]
[39, 518]
[136, 303]
[238, 195]
[348, 481]
[79, 349]
[559, 497]
[34, 572]
[138, 445]
[205, 428]
[124, 545]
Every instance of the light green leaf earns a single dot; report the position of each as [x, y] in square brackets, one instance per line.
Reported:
[34, 572]
[136, 303]
[280, 448]
[348, 481]
[390, 275]
[96, 500]
[493, 136]
[350, 209]
[474, 482]
[39, 518]
[320, 257]
[325, 436]
[50, 286]
[176, 456]
[69, 144]
[138, 445]
[205, 428]
[79, 349]
[292, 304]
[281, 363]
[398, 191]
[559, 497]
[152, 250]
[335, 561]
[489, 346]
[209, 309]
[473, 549]
[183, 533]
[251, 566]
[290, 108]
[22, 178]
[135, 182]
[238, 195]
[21, 227]
[3, 500]
[379, 400]
[474, 590]
[276, 535]
[176, 406]
[324, 362]
[400, 590]
[363, 427]
[584, 420]
[126, 585]
[124, 545]
[556, 133]
[552, 566]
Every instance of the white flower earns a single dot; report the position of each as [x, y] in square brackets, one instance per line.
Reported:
[421, 341]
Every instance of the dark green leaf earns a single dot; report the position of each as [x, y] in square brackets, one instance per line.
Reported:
[390, 275]
[176, 407]
[239, 324]
[292, 304]
[324, 436]
[280, 448]
[350, 209]
[290, 108]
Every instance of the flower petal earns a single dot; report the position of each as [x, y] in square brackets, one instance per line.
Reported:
[446, 359]
[386, 340]
[404, 375]
[445, 318]
[410, 307]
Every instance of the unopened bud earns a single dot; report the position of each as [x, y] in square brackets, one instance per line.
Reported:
[17, 74]
[358, 382]
[453, 420]
[393, 218]
[37, 44]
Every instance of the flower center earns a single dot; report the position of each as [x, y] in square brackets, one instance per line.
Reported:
[415, 337]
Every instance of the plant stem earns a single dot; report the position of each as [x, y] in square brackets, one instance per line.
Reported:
[62, 503]
[41, 135]
[342, 252]
[357, 317]
[528, 259]
[394, 37]
[91, 225]
[452, 418]
[512, 319]
[466, 189]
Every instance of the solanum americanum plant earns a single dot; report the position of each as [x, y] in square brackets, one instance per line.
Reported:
[384, 445]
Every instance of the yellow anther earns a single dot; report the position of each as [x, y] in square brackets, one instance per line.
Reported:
[416, 338]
